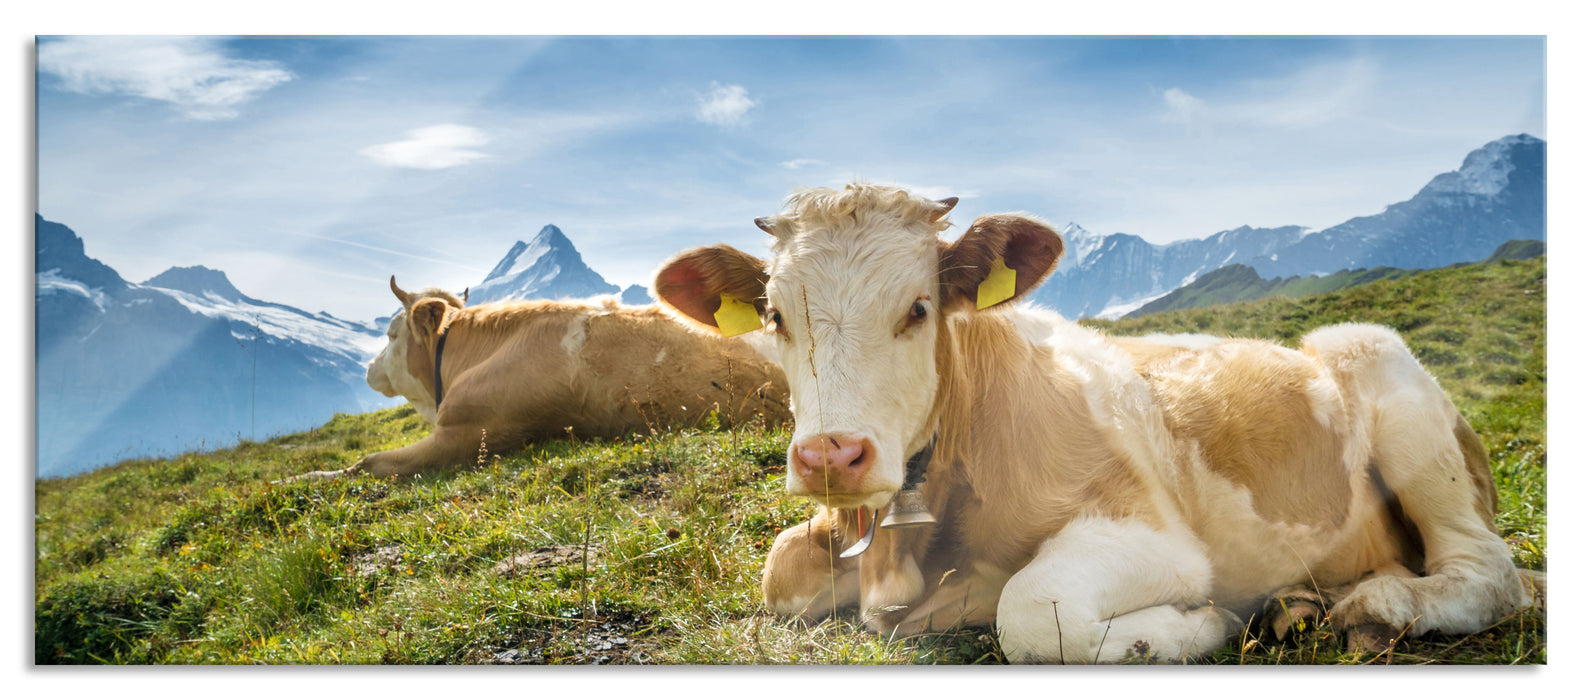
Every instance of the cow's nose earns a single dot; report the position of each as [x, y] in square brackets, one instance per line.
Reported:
[839, 460]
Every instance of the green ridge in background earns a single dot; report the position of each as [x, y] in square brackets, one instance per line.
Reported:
[1237, 282]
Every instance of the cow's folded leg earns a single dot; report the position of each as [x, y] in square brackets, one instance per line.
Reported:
[1102, 588]
[963, 600]
[1292, 612]
[803, 577]
[1471, 581]
[447, 446]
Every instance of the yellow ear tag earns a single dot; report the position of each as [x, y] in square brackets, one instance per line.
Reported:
[736, 317]
[998, 286]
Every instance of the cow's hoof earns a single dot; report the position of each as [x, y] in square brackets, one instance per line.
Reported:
[1292, 613]
[1371, 638]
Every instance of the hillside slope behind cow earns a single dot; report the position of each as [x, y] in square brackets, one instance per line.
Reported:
[513, 372]
[1094, 495]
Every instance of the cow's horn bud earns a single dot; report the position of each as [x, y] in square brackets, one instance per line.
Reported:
[406, 299]
[945, 205]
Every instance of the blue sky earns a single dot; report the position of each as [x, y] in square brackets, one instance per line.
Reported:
[310, 169]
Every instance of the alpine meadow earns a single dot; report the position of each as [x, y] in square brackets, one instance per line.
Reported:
[648, 549]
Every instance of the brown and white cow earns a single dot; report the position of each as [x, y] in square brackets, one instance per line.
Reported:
[1091, 492]
[512, 372]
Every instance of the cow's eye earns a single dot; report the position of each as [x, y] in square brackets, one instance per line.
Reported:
[914, 316]
[774, 321]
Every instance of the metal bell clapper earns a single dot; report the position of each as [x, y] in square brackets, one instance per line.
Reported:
[908, 510]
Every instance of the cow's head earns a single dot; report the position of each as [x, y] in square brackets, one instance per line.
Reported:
[408, 359]
[856, 291]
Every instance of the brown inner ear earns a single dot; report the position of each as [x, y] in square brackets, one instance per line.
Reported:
[427, 315]
[692, 282]
[1028, 247]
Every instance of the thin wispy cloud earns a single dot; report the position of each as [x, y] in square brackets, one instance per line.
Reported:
[1314, 96]
[725, 105]
[192, 74]
[800, 163]
[1318, 95]
[431, 148]
[389, 251]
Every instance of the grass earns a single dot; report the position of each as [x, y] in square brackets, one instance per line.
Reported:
[645, 549]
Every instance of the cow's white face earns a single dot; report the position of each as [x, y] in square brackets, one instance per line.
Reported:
[390, 373]
[853, 307]
[856, 294]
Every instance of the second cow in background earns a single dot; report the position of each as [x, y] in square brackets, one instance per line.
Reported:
[502, 374]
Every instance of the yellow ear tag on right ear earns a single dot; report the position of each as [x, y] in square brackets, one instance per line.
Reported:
[736, 317]
[998, 286]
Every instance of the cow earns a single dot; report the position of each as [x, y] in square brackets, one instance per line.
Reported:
[1092, 496]
[493, 376]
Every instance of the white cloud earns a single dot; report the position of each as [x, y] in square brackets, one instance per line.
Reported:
[431, 148]
[725, 105]
[1184, 108]
[191, 73]
[799, 163]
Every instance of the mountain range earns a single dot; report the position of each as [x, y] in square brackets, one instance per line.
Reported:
[1496, 195]
[180, 361]
[185, 360]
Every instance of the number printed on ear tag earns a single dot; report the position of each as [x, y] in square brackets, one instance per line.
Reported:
[736, 317]
[998, 286]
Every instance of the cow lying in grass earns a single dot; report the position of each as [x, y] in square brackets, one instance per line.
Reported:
[1093, 494]
[497, 375]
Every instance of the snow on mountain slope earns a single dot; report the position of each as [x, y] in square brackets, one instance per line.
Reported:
[182, 362]
[357, 342]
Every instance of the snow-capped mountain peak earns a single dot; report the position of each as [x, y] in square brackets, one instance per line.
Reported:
[198, 280]
[547, 267]
[523, 256]
[1080, 244]
[1485, 171]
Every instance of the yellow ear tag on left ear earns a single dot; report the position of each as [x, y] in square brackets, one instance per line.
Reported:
[998, 286]
[736, 317]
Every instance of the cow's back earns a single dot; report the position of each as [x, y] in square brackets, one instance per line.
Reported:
[1264, 417]
[639, 367]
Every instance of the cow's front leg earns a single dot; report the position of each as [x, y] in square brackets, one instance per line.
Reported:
[447, 446]
[1102, 588]
[962, 599]
[804, 576]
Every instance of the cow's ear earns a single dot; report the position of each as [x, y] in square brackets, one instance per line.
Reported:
[999, 259]
[427, 316]
[692, 283]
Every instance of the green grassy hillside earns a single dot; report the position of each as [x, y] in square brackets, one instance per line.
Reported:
[1233, 283]
[645, 549]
